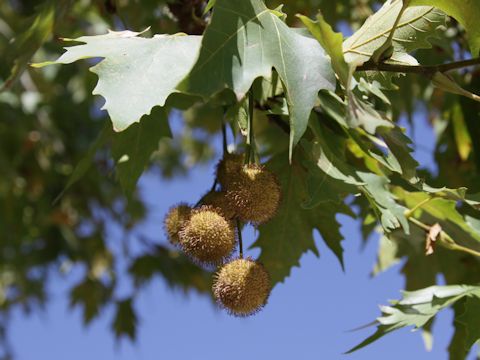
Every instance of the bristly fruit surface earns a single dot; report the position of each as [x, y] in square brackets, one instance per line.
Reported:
[207, 237]
[255, 194]
[242, 286]
[218, 200]
[228, 168]
[175, 220]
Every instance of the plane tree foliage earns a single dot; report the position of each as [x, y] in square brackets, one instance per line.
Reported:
[328, 94]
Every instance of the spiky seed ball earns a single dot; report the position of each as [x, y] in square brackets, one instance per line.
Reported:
[229, 167]
[175, 220]
[207, 236]
[218, 200]
[255, 194]
[242, 287]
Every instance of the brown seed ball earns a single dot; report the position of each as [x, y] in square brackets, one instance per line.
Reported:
[207, 237]
[228, 168]
[255, 194]
[218, 200]
[175, 220]
[242, 287]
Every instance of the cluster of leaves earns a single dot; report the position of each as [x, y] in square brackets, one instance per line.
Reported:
[325, 111]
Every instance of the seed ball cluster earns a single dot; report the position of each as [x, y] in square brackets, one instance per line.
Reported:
[242, 287]
[255, 194]
[175, 220]
[207, 236]
[206, 233]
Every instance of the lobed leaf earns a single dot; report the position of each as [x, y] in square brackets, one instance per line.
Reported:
[417, 308]
[136, 74]
[466, 12]
[244, 41]
[285, 238]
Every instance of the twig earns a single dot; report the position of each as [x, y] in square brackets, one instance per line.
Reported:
[419, 69]
[445, 239]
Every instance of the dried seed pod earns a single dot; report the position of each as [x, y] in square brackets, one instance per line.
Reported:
[254, 195]
[175, 220]
[228, 168]
[207, 236]
[218, 200]
[242, 287]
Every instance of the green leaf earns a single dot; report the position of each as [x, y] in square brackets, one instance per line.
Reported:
[92, 295]
[390, 213]
[332, 43]
[417, 308]
[416, 25]
[86, 162]
[387, 255]
[400, 156]
[443, 211]
[39, 31]
[447, 83]
[361, 113]
[470, 319]
[466, 12]
[210, 5]
[133, 147]
[243, 42]
[460, 130]
[457, 349]
[125, 320]
[137, 73]
[289, 234]
[328, 152]
[177, 270]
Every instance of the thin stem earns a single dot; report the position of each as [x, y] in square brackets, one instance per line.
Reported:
[419, 224]
[212, 189]
[385, 51]
[410, 212]
[464, 249]
[449, 243]
[250, 158]
[214, 185]
[419, 69]
[444, 239]
[224, 138]
[240, 243]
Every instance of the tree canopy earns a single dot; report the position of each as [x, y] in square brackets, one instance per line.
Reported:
[318, 91]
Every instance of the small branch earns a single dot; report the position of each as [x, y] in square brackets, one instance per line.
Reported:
[419, 69]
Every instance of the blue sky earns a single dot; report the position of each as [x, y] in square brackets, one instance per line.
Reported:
[308, 316]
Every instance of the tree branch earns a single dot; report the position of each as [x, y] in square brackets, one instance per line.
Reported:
[419, 69]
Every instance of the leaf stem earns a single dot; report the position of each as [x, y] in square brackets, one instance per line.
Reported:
[419, 224]
[419, 69]
[251, 157]
[410, 212]
[447, 241]
[224, 137]
[385, 51]
[240, 243]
